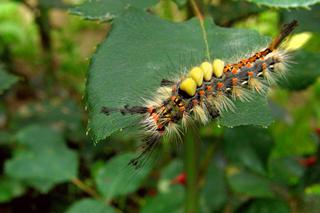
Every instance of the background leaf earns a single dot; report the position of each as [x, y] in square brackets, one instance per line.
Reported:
[118, 178]
[303, 73]
[10, 188]
[173, 200]
[308, 19]
[249, 184]
[268, 205]
[214, 191]
[6, 80]
[250, 152]
[285, 3]
[90, 205]
[106, 10]
[42, 161]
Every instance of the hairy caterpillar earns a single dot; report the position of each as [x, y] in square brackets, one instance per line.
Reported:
[205, 91]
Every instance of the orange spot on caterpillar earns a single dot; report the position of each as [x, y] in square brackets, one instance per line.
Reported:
[234, 71]
[209, 88]
[155, 117]
[201, 92]
[248, 65]
[160, 126]
[253, 59]
[227, 68]
[220, 85]
[150, 109]
[234, 81]
[250, 74]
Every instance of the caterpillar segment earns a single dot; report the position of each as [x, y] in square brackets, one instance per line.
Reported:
[206, 91]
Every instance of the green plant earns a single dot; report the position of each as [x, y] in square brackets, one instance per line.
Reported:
[262, 158]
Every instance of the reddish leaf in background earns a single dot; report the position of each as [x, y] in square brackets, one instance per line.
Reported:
[307, 162]
[180, 179]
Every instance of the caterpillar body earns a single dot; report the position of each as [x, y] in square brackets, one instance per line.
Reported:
[207, 90]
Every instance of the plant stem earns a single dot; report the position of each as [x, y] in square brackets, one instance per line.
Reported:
[191, 168]
[43, 22]
[81, 185]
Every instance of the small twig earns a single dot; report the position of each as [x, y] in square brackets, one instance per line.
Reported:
[81, 185]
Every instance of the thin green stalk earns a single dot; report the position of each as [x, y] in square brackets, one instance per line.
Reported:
[196, 7]
[43, 22]
[191, 168]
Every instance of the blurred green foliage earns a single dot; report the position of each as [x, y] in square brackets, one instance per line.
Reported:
[49, 164]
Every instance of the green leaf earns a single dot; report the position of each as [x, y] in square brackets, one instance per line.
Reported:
[5, 137]
[308, 19]
[171, 201]
[304, 73]
[249, 184]
[118, 178]
[142, 49]
[285, 3]
[43, 159]
[224, 12]
[90, 205]
[10, 188]
[243, 149]
[294, 138]
[180, 3]
[64, 115]
[106, 10]
[286, 170]
[214, 191]
[6, 80]
[313, 190]
[255, 112]
[268, 205]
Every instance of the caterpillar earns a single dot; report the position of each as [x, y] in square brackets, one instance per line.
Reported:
[206, 91]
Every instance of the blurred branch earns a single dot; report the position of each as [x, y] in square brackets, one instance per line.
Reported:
[81, 185]
[191, 168]
[42, 21]
[207, 159]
